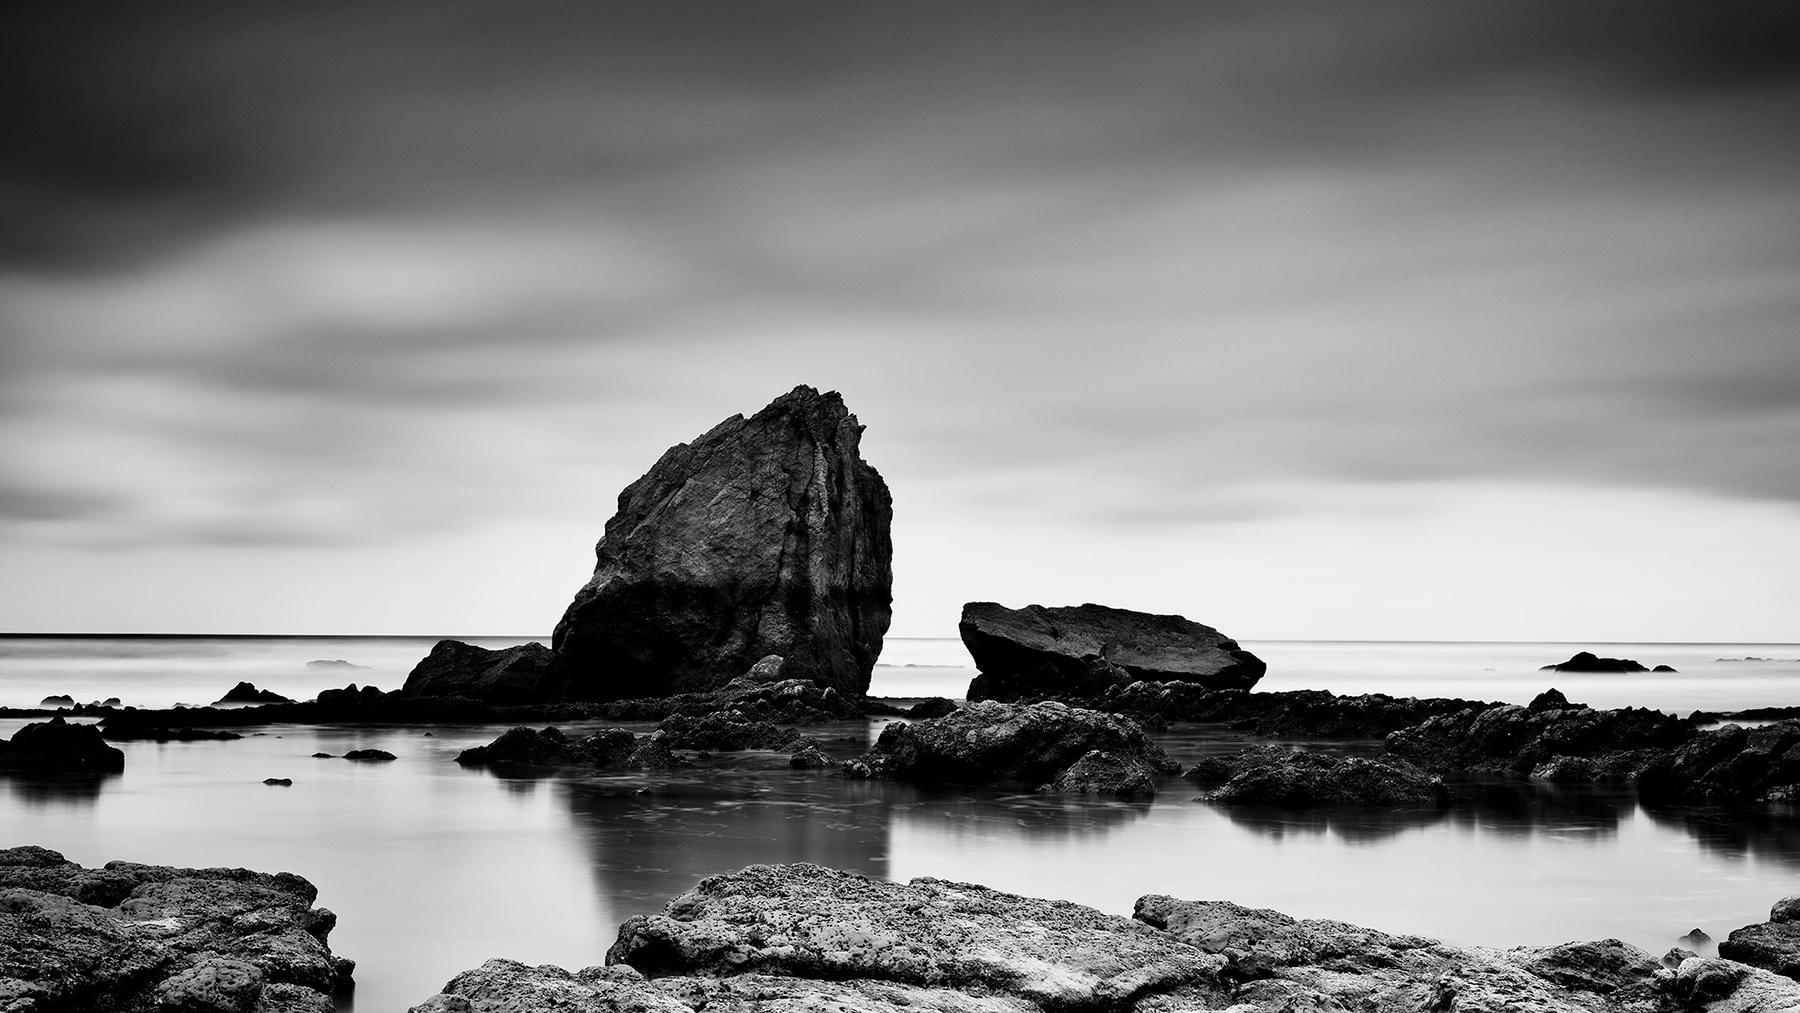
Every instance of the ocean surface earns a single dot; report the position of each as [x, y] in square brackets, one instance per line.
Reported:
[433, 868]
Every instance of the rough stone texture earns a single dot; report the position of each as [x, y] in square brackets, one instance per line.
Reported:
[1585, 661]
[725, 731]
[788, 702]
[552, 748]
[137, 938]
[1729, 765]
[1099, 772]
[246, 692]
[512, 675]
[805, 921]
[1304, 779]
[55, 746]
[1774, 944]
[1037, 653]
[988, 742]
[766, 535]
[1520, 739]
[1299, 713]
[931, 707]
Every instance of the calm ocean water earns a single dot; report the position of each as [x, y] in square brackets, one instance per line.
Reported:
[434, 868]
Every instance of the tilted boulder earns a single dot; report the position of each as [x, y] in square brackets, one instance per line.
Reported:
[766, 535]
[1036, 652]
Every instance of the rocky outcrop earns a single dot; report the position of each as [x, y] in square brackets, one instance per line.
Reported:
[245, 692]
[725, 731]
[1037, 653]
[1307, 779]
[1543, 736]
[766, 535]
[996, 743]
[1296, 713]
[136, 938]
[551, 747]
[801, 937]
[1585, 661]
[57, 747]
[789, 701]
[1729, 765]
[1774, 944]
[511, 675]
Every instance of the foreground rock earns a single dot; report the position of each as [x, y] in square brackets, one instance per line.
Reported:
[57, 747]
[766, 535]
[1773, 945]
[1305, 779]
[142, 937]
[1036, 653]
[512, 675]
[997, 743]
[800, 937]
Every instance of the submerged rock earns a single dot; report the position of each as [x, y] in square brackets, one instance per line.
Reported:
[1306, 779]
[55, 746]
[1037, 653]
[145, 937]
[766, 535]
[511, 675]
[988, 742]
[1585, 661]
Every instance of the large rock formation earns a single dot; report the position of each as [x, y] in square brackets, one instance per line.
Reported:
[58, 747]
[511, 675]
[766, 535]
[1036, 653]
[132, 937]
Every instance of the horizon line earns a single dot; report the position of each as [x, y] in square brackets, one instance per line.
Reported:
[66, 635]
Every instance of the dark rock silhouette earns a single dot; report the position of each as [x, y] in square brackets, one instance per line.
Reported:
[1305, 779]
[58, 700]
[1663, 668]
[988, 742]
[766, 535]
[510, 675]
[245, 692]
[147, 937]
[1515, 739]
[55, 746]
[1037, 653]
[279, 782]
[1727, 765]
[1585, 661]
[157, 733]
[931, 707]
[370, 755]
[552, 747]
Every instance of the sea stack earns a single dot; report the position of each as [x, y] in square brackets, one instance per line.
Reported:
[766, 535]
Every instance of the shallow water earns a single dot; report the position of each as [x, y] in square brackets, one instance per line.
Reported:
[434, 868]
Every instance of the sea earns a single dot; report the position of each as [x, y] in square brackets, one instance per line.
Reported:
[433, 868]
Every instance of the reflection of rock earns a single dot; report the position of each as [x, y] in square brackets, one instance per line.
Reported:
[55, 746]
[146, 733]
[766, 535]
[144, 937]
[988, 742]
[1585, 661]
[245, 692]
[1774, 944]
[1303, 779]
[508, 676]
[1037, 653]
[1356, 825]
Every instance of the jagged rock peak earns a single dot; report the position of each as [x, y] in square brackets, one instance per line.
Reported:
[764, 535]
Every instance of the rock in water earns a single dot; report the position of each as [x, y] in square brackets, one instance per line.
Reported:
[1082, 650]
[508, 676]
[766, 535]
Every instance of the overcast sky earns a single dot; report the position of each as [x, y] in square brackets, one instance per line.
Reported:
[1414, 321]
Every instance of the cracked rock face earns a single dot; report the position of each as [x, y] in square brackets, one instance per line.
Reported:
[132, 937]
[766, 535]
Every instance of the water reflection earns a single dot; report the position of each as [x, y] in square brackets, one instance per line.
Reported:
[1520, 807]
[57, 789]
[1353, 826]
[1750, 833]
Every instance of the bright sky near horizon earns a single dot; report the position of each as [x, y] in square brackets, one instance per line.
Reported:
[1371, 321]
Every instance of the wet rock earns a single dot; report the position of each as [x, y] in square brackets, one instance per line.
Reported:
[1725, 986]
[1037, 653]
[988, 742]
[140, 937]
[1305, 713]
[807, 922]
[931, 707]
[512, 675]
[551, 747]
[1585, 661]
[1773, 945]
[1728, 765]
[1305, 779]
[370, 755]
[56, 746]
[724, 731]
[1099, 772]
[245, 692]
[811, 757]
[766, 535]
[323, 756]
[1550, 699]
[1510, 738]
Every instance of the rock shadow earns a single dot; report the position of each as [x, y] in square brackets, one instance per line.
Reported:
[76, 789]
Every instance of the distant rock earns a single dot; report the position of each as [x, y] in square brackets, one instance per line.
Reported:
[511, 675]
[1696, 938]
[280, 782]
[370, 755]
[1307, 779]
[1585, 661]
[245, 692]
[56, 747]
[1663, 668]
[135, 937]
[1038, 653]
[766, 535]
[988, 742]
[338, 663]
[59, 700]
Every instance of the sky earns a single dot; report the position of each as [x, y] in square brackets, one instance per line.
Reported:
[1332, 321]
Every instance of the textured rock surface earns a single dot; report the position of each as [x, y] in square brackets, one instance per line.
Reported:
[1522, 739]
[766, 535]
[1036, 652]
[1773, 945]
[1099, 772]
[1304, 779]
[551, 747]
[55, 746]
[507, 676]
[1295, 713]
[138, 938]
[1730, 765]
[988, 742]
